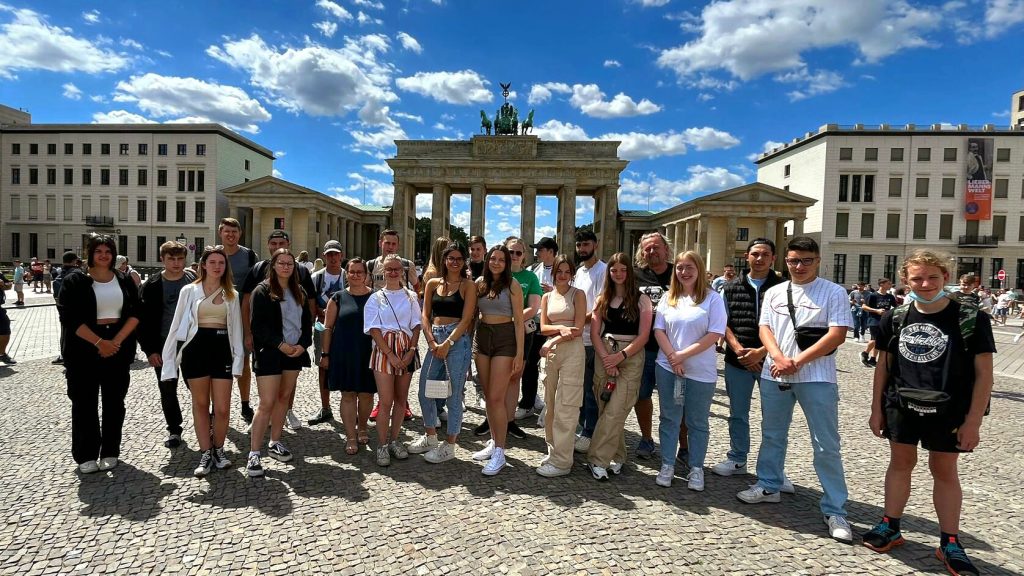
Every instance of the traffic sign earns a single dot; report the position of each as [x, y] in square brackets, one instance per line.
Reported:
[1001, 275]
[192, 247]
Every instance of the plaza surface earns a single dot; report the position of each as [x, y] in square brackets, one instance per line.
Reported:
[327, 512]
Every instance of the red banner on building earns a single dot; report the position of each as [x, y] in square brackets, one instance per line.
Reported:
[978, 202]
[978, 199]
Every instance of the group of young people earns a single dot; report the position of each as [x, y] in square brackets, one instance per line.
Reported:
[605, 335]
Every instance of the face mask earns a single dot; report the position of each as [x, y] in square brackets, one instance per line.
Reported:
[913, 296]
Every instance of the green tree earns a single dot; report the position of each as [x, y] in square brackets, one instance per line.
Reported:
[424, 241]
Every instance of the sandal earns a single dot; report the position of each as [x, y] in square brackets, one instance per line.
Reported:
[364, 437]
[351, 447]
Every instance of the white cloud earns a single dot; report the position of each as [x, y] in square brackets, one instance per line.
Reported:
[164, 53]
[640, 145]
[612, 64]
[1001, 15]
[462, 87]
[98, 98]
[701, 180]
[120, 117]
[334, 9]
[653, 3]
[71, 91]
[541, 93]
[363, 18]
[590, 100]
[381, 168]
[707, 138]
[314, 79]
[280, 154]
[704, 97]
[413, 117]
[369, 4]
[769, 145]
[1002, 114]
[129, 43]
[441, 126]
[557, 130]
[384, 138]
[91, 17]
[749, 38]
[197, 100]
[327, 28]
[820, 82]
[29, 42]
[376, 192]
[409, 43]
[276, 173]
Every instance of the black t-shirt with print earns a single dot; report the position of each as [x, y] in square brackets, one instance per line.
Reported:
[654, 285]
[924, 342]
[879, 301]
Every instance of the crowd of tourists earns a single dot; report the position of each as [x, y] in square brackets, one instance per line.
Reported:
[601, 336]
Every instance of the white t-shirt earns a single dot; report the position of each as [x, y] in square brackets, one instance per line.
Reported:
[685, 324]
[591, 281]
[1004, 300]
[392, 310]
[818, 303]
[543, 273]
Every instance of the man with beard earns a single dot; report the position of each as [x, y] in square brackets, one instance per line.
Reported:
[653, 275]
[590, 279]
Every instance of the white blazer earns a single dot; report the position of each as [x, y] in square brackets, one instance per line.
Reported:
[186, 324]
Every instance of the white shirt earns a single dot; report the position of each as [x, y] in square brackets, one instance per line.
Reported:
[1004, 300]
[109, 299]
[685, 324]
[818, 303]
[543, 273]
[392, 311]
[591, 281]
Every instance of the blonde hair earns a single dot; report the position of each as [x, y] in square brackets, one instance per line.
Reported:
[700, 288]
[924, 257]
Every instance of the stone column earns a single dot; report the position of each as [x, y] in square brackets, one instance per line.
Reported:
[311, 236]
[798, 226]
[477, 210]
[780, 251]
[439, 213]
[256, 228]
[357, 250]
[731, 225]
[289, 225]
[687, 240]
[400, 216]
[702, 239]
[671, 230]
[528, 217]
[608, 239]
[350, 237]
[567, 218]
[780, 233]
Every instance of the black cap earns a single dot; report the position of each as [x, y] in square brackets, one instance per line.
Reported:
[547, 243]
[70, 257]
[278, 234]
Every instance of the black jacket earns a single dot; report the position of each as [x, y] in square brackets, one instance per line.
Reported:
[151, 312]
[742, 311]
[267, 325]
[78, 305]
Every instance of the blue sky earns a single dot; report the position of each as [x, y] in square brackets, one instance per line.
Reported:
[692, 89]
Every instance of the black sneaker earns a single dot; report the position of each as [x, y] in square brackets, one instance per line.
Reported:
[247, 413]
[515, 431]
[323, 415]
[482, 430]
[882, 538]
[254, 467]
[220, 459]
[278, 452]
[173, 440]
[57, 360]
[6, 359]
[873, 361]
[205, 464]
[864, 359]
[955, 558]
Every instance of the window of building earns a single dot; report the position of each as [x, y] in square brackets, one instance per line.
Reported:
[122, 176]
[785, 171]
[869, 187]
[864, 268]
[33, 243]
[924, 154]
[1002, 188]
[999, 226]
[69, 176]
[182, 149]
[16, 244]
[104, 207]
[161, 177]
[160, 241]
[179, 211]
[846, 153]
[105, 149]
[181, 180]
[122, 210]
[949, 154]
[51, 149]
[15, 175]
[871, 154]
[200, 180]
[33, 209]
[161, 210]
[892, 225]
[855, 192]
[839, 269]
[786, 187]
[278, 223]
[200, 243]
[1020, 230]
[33, 149]
[1002, 154]
[124, 149]
[867, 225]
[86, 176]
[844, 187]
[143, 149]
[142, 176]
[87, 207]
[200, 213]
[161, 149]
[191, 180]
[246, 165]
[920, 226]
[895, 187]
[140, 208]
[945, 226]
[140, 249]
[842, 224]
[921, 191]
[972, 228]
[15, 148]
[51, 176]
[86, 149]
[15, 207]
[33, 176]
[122, 244]
[69, 148]
[200, 149]
[104, 176]
[742, 234]
[1020, 274]
[949, 187]
[69, 208]
[889, 271]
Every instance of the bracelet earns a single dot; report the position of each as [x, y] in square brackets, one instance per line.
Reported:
[624, 355]
[325, 355]
[97, 342]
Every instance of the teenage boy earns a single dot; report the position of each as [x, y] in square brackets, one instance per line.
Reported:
[241, 260]
[159, 300]
[875, 304]
[802, 323]
[477, 251]
[531, 403]
[969, 289]
[328, 280]
[938, 347]
[590, 279]
[856, 309]
[728, 274]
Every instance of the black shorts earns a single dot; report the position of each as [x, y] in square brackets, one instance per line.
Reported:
[933, 433]
[496, 339]
[876, 332]
[272, 362]
[207, 355]
[5, 323]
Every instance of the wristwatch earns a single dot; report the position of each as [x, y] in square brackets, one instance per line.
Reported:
[325, 354]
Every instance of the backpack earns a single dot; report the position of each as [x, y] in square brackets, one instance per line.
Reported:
[927, 401]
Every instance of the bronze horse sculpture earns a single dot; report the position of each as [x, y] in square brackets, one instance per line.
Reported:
[527, 124]
[485, 123]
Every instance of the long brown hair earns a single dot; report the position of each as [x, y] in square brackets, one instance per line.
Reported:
[631, 296]
[700, 287]
[490, 286]
[225, 280]
[276, 290]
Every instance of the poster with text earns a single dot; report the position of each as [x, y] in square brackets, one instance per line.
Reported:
[978, 199]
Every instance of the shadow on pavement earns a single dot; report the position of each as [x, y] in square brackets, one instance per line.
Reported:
[124, 491]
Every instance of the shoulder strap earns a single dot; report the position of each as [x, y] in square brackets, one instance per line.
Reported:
[967, 318]
[898, 315]
[252, 258]
[789, 303]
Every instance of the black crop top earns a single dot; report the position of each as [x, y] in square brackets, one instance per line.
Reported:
[448, 306]
[616, 324]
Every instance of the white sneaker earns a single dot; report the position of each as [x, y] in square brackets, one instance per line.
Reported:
[787, 486]
[550, 471]
[839, 528]
[292, 420]
[398, 450]
[582, 444]
[90, 467]
[757, 494]
[523, 413]
[486, 453]
[541, 415]
[600, 473]
[423, 444]
[615, 468]
[108, 463]
[443, 415]
[496, 463]
[383, 456]
[443, 452]
[665, 475]
[481, 402]
[1017, 338]
[728, 468]
[696, 479]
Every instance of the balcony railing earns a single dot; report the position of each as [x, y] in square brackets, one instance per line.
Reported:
[107, 221]
[974, 241]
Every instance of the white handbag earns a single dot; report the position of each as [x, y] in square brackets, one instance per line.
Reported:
[437, 389]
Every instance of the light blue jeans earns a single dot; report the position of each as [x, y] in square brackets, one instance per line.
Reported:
[433, 368]
[820, 404]
[739, 385]
[697, 410]
[671, 414]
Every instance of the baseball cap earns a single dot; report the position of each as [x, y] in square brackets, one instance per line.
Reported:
[332, 246]
[278, 234]
[69, 257]
[546, 243]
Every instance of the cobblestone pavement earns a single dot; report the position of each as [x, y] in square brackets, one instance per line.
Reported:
[327, 512]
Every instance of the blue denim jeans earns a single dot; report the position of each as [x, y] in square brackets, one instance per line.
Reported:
[647, 382]
[670, 413]
[697, 409]
[739, 385]
[820, 404]
[588, 414]
[434, 369]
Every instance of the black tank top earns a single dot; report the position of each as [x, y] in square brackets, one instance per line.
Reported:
[616, 324]
[448, 306]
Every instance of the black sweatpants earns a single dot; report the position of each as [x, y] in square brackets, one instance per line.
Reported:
[169, 403]
[91, 440]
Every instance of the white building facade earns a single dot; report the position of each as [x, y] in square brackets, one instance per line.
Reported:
[884, 191]
[143, 183]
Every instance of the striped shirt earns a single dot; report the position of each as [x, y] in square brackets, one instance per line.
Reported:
[818, 303]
